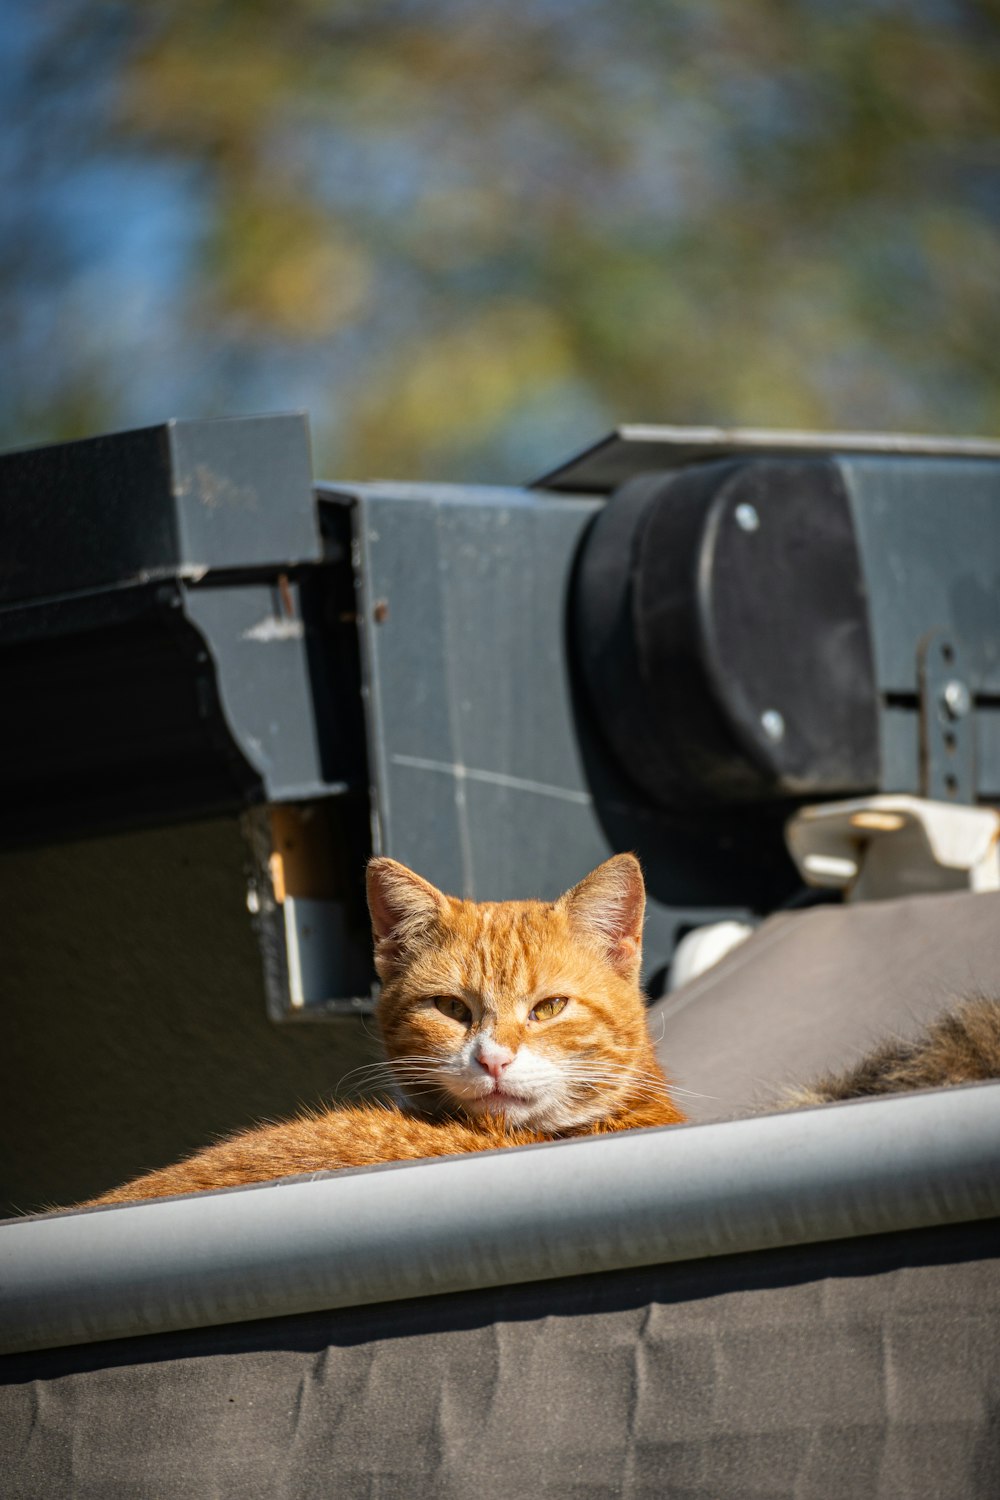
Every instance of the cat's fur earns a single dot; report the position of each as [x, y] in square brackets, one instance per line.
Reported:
[960, 1046]
[506, 1078]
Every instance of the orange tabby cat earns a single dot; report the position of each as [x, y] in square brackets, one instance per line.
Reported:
[504, 1024]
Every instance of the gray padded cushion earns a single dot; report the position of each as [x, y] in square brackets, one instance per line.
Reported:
[812, 990]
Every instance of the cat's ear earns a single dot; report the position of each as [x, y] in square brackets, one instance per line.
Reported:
[608, 908]
[402, 905]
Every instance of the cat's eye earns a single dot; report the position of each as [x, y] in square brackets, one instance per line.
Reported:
[454, 1008]
[546, 1009]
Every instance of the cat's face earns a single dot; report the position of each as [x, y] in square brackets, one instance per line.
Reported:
[528, 1010]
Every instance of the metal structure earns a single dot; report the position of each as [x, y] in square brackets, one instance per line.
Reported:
[758, 659]
[666, 645]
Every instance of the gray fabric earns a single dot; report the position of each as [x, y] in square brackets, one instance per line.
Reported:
[812, 990]
[863, 1368]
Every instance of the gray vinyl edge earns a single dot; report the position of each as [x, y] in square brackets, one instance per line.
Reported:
[594, 1204]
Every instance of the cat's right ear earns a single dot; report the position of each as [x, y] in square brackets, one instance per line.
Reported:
[608, 907]
[402, 906]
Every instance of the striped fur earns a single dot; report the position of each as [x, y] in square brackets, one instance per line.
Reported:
[960, 1046]
[504, 1077]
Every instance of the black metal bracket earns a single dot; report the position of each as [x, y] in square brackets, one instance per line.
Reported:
[947, 721]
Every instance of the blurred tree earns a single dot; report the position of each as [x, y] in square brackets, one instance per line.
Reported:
[469, 237]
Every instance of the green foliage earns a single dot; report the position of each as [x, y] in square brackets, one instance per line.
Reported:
[460, 229]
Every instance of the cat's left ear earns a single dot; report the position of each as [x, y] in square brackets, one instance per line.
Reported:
[403, 906]
[608, 907]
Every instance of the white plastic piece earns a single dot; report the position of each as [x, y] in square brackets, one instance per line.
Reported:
[704, 946]
[879, 847]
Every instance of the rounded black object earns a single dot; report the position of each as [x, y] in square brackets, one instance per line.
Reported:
[721, 624]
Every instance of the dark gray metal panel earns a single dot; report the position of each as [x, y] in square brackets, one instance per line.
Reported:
[183, 497]
[257, 636]
[475, 586]
[900, 731]
[486, 776]
[929, 534]
[469, 675]
[243, 491]
[987, 730]
[84, 514]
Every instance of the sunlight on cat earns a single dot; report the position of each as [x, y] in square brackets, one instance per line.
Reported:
[504, 1024]
[526, 1010]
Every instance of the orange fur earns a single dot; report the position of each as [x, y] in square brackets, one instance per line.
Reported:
[500, 1076]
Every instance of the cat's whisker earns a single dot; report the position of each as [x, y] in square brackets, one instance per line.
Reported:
[390, 1065]
[374, 1080]
[380, 1066]
[359, 1078]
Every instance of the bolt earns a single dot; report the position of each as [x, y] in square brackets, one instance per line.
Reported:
[747, 518]
[956, 698]
[380, 611]
[773, 725]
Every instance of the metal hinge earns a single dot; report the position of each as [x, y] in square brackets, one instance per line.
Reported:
[947, 722]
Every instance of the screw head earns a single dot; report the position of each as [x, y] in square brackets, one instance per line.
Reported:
[747, 517]
[773, 725]
[956, 698]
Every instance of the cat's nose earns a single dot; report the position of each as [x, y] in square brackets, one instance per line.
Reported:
[494, 1059]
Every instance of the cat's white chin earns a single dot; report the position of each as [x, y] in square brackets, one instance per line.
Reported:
[522, 1112]
[519, 1110]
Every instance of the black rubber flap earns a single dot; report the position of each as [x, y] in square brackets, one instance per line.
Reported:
[722, 627]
